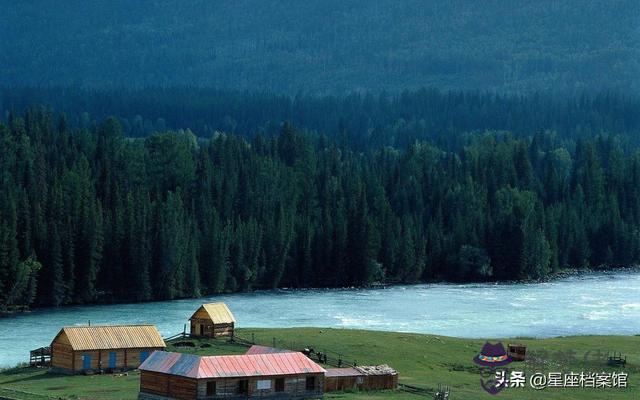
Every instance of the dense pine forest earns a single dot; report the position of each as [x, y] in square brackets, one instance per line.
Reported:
[324, 46]
[408, 188]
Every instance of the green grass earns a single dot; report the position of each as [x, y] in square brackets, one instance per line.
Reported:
[421, 360]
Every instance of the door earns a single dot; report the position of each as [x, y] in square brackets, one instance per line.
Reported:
[112, 359]
[143, 356]
[86, 361]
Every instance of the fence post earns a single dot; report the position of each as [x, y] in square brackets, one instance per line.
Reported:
[274, 342]
[253, 338]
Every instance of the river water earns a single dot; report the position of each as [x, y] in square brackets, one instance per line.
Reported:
[604, 303]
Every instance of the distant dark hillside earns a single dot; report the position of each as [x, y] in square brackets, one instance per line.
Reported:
[361, 121]
[323, 46]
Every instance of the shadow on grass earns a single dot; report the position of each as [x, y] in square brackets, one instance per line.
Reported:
[32, 374]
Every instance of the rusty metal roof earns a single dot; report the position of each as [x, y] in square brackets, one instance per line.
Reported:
[111, 337]
[234, 366]
[217, 312]
[257, 349]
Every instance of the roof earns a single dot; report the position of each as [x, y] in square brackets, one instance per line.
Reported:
[217, 312]
[333, 372]
[257, 349]
[111, 337]
[191, 366]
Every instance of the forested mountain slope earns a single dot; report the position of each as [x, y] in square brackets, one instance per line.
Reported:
[89, 215]
[323, 45]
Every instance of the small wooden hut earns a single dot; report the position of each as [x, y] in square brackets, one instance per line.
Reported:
[212, 320]
[86, 349]
[377, 377]
[170, 376]
[517, 351]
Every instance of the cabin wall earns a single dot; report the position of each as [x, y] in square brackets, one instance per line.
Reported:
[207, 328]
[65, 359]
[61, 357]
[167, 386]
[362, 382]
[380, 382]
[294, 387]
[341, 383]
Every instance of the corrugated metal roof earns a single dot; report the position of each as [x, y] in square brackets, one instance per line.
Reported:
[217, 312]
[191, 366]
[334, 372]
[112, 337]
[257, 349]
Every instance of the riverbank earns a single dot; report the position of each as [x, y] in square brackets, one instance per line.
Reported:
[597, 304]
[421, 360]
[555, 276]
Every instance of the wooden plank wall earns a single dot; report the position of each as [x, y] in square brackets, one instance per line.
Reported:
[61, 356]
[340, 383]
[368, 382]
[64, 358]
[173, 386]
[210, 329]
[294, 385]
[380, 382]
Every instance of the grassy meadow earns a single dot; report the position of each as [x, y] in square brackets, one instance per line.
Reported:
[421, 360]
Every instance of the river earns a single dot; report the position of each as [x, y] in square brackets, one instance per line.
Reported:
[603, 303]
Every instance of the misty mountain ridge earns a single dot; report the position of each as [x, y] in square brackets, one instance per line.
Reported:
[323, 46]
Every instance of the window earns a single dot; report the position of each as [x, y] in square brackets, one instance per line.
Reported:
[280, 385]
[243, 386]
[211, 388]
[311, 383]
[143, 356]
[264, 384]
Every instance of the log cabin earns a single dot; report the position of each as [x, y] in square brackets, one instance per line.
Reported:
[212, 320]
[88, 349]
[176, 376]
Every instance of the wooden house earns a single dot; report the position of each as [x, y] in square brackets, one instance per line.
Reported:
[176, 376]
[377, 377]
[212, 320]
[86, 349]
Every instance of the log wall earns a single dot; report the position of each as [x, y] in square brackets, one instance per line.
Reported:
[171, 386]
[181, 388]
[65, 359]
[210, 329]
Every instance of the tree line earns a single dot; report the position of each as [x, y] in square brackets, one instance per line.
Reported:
[363, 121]
[88, 214]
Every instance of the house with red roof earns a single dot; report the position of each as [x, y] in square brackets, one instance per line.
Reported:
[286, 375]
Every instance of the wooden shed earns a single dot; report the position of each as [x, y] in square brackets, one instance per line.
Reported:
[176, 376]
[86, 349]
[212, 320]
[517, 351]
[377, 377]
